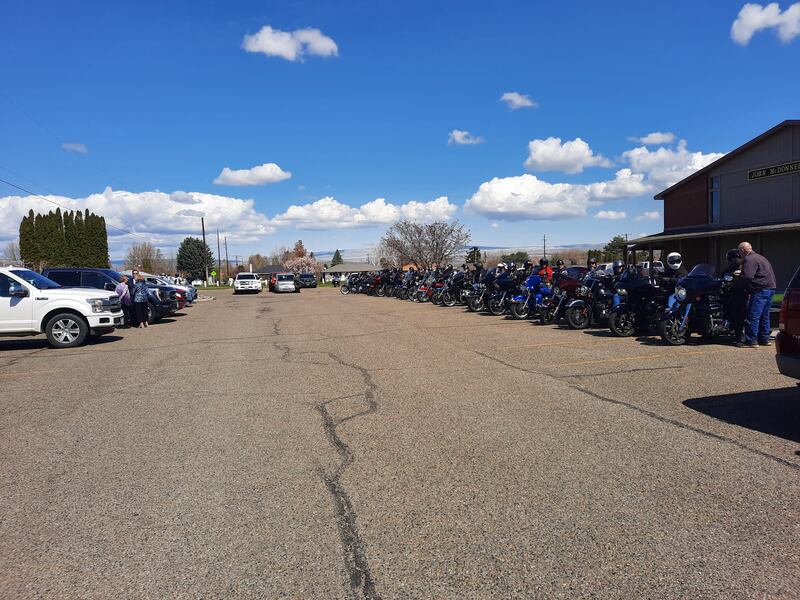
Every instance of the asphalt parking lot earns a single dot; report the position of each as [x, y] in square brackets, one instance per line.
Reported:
[314, 445]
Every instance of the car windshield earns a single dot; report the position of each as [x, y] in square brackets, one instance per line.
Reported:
[241, 276]
[38, 281]
[306, 276]
[285, 277]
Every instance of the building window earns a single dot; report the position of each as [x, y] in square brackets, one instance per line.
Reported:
[713, 200]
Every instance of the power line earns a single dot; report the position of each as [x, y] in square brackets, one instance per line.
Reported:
[125, 231]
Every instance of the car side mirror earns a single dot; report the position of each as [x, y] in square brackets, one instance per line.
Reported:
[16, 291]
[110, 287]
[727, 278]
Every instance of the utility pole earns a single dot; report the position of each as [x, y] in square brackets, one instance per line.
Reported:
[227, 262]
[219, 260]
[544, 242]
[205, 255]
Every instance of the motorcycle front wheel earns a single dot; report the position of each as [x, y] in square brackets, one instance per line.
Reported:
[497, 308]
[344, 290]
[448, 299]
[520, 311]
[622, 324]
[547, 316]
[670, 331]
[380, 291]
[475, 304]
[578, 317]
[422, 296]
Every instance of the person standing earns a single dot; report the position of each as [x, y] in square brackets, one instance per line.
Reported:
[735, 296]
[140, 300]
[757, 270]
[124, 294]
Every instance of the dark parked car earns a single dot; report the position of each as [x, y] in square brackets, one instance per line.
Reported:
[306, 280]
[161, 299]
[787, 341]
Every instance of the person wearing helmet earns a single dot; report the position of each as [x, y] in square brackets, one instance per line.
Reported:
[545, 270]
[591, 264]
[673, 271]
[618, 266]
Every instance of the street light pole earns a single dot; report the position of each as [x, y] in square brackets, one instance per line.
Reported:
[219, 259]
[205, 247]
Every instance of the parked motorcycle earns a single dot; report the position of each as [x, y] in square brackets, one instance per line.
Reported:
[593, 301]
[698, 307]
[499, 300]
[564, 292]
[641, 304]
[532, 297]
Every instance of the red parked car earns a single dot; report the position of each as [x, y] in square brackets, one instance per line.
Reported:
[787, 342]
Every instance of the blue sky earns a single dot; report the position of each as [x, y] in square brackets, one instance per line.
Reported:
[164, 96]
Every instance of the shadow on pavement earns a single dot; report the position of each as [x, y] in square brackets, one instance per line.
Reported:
[39, 343]
[775, 412]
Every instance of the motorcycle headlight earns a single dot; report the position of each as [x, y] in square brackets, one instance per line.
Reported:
[680, 294]
[622, 292]
[583, 291]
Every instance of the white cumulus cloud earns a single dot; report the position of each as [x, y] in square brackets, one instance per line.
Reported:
[260, 175]
[664, 167]
[75, 147]
[291, 45]
[753, 18]
[614, 215]
[155, 215]
[656, 138]
[329, 213]
[515, 100]
[650, 215]
[460, 138]
[571, 156]
[528, 197]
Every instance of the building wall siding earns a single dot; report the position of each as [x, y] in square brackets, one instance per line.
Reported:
[687, 206]
[760, 201]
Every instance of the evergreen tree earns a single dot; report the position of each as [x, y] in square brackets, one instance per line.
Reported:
[58, 257]
[27, 240]
[79, 252]
[518, 257]
[70, 240]
[474, 255]
[337, 258]
[193, 258]
[299, 249]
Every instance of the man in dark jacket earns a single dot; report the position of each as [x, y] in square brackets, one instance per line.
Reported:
[761, 278]
[735, 296]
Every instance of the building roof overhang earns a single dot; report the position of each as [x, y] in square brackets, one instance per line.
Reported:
[667, 236]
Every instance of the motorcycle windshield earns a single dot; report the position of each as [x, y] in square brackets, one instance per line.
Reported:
[702, 277]
[631, 280]
[532, 282]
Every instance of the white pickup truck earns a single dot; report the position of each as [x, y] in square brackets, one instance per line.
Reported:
[31, 304]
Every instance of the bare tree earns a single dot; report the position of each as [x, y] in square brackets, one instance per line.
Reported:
[11, 252]
[258, 261]
[146, 256]
[426, 245]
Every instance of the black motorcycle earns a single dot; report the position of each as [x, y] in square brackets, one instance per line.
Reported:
[698, 307]
[593, 301]
[641, 304]
[499, 301]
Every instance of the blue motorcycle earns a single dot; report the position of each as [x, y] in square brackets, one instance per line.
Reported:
[698, 307]
[531, 298]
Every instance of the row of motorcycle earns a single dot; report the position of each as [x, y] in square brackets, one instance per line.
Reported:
[628, 300]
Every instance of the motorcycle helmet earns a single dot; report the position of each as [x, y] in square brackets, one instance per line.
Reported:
[527, 265]
[559, 263]
[501, 265]
[592, 263]
[674, 260]
[512, 265]
[543, 262]
[617, 266]
[732, 256]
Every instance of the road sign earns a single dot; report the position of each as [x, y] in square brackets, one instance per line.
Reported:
[213, 273]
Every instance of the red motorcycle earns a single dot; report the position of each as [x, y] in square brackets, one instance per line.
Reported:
[565, 287]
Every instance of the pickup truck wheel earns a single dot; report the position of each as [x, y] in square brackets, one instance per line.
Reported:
[152, 314]
[66, 330]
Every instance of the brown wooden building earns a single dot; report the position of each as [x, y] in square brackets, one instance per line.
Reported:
[750, 194]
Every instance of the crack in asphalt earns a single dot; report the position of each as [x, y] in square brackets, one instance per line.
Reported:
[642, 410]
[360, 583]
